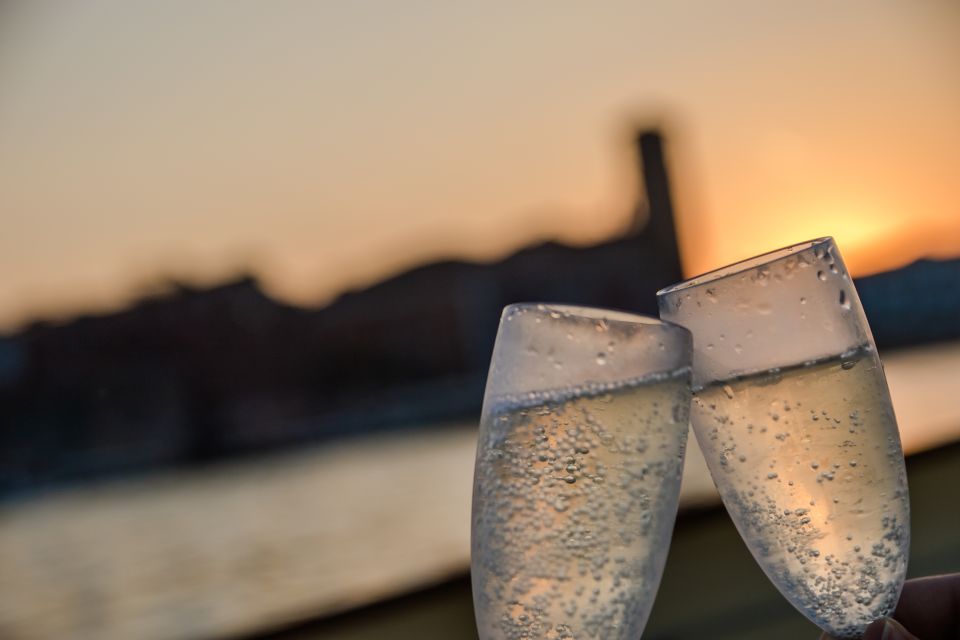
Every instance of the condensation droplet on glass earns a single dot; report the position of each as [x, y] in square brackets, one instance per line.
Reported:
[601, 358]
[844, 299]
[822, 276]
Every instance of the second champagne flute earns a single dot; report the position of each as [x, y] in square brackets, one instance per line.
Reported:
[792, 413]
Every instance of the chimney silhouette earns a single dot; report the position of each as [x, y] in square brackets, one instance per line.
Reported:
[660, 227]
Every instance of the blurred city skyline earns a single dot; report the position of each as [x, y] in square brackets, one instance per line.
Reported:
[328, 147]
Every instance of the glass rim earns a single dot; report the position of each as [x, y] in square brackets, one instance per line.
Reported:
[747, 264]
[593, 313]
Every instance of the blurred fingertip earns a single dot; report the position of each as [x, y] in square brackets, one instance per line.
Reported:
[885, 629]
[893, 630]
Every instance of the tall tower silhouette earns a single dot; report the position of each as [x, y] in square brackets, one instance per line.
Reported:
[658, 228]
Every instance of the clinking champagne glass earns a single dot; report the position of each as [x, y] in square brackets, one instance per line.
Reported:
[793, 415]
[578, 471]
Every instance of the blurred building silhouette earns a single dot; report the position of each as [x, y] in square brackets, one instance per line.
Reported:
[916, 304]
[200, 374]
[194, 375]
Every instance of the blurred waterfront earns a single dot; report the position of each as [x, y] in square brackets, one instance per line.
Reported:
[261, 545]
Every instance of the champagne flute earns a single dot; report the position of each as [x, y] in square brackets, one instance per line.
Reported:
[793, 415]
[578, 471]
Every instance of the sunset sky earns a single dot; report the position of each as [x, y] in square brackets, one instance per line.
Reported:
[328, 145]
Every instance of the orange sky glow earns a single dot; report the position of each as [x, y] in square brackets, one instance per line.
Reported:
[328, 146]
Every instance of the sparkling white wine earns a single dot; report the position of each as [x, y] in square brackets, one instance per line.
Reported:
[575, 497]
[808, 462]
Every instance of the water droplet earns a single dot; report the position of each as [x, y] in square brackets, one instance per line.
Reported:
[814, 465]
[737, 348]
[771, 475]
[728, 390]
[822, 276]
[844, 300]
[569, 479]
[601, 358]
[833, 268]
[710, 347]
[849, 364]
[803, 301]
